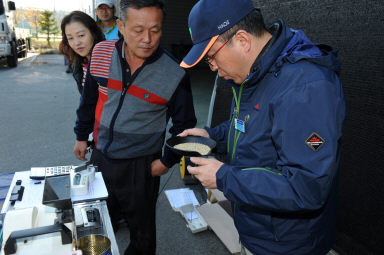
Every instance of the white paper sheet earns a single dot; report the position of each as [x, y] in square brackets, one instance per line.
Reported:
[180, 197]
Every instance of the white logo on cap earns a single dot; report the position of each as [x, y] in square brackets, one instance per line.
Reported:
[223, 25]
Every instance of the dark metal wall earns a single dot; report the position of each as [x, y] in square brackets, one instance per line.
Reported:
[176, 37]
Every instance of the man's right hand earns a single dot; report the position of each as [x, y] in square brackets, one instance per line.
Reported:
[194, 132]
[80, 150]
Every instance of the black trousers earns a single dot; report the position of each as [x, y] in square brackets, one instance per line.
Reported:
[132, 194]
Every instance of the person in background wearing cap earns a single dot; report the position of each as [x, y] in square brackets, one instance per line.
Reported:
[105, 10]
[132, 88]
[283, 135]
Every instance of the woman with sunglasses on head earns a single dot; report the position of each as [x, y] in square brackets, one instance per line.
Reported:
[80, 34]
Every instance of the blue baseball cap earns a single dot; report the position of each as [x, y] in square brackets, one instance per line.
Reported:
[207, 20]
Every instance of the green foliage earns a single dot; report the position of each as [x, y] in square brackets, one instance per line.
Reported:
[33, 17]
[48, 25]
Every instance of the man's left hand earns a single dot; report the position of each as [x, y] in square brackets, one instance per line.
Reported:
[205, 171]
[158, 168]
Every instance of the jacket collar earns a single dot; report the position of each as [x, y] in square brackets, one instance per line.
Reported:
[281, 35]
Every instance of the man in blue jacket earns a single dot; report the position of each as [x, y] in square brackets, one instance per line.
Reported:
[283, 135]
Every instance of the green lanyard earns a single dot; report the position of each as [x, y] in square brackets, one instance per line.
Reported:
[109, 30]
[238, 99]
[236, 113]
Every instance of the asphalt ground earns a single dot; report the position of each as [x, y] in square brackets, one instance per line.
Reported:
[38, 101]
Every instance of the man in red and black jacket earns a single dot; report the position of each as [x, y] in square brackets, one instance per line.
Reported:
[132, 88]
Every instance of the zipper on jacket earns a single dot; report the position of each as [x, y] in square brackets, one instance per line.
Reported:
[123, 93]
[234, 210]
[230, 128]
[237, 136]
[112, 125]
[274, 230]
[274, 233]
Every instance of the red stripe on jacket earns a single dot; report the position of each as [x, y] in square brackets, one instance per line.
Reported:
[98, 111]
[138, 92]
[100, 103]
[146, 95]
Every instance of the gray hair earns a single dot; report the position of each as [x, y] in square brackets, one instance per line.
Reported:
[138, 4]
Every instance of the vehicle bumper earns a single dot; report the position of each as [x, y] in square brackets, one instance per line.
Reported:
[5, 50]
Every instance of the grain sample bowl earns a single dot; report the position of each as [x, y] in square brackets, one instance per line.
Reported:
[177, 144]
[180, 145]
[94, 245]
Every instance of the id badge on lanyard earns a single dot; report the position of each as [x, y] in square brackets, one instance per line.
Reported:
[240, 125]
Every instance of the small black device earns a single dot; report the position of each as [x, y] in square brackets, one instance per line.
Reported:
[82, 167]
[77, 179]
[17, 192]
[91, 217]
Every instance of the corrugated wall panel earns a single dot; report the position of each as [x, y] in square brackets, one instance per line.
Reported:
[357, 28]
[176, 37]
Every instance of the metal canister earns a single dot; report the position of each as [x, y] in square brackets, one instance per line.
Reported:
[94, 245]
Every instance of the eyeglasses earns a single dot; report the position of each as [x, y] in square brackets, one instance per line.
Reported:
[209, 59]
[104, 8]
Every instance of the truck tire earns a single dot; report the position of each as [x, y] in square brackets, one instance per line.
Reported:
[18, 47]
[23, 47]
[12, 60]
[24, 53]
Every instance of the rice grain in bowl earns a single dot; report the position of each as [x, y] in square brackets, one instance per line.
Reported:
[202, 149]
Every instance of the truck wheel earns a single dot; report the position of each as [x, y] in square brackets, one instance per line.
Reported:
[26, 48]
[12, 60]
[18, 46]
[24, 53]
[22, 45]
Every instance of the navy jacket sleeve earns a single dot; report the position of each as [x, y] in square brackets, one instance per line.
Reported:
[86, 110]
[78, 76]
[220, 136]
[181, 110]
[302, 178]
